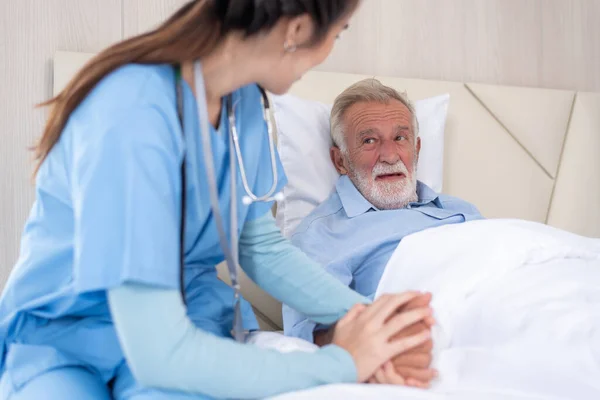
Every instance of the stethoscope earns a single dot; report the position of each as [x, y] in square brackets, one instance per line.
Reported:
[230, 250]
[250, 197]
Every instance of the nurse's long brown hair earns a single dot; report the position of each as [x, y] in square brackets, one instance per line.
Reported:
[190, 34]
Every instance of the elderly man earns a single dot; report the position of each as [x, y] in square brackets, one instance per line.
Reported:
[377, 200]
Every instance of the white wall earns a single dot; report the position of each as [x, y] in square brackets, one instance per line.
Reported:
[30, 32]
[543, 43]
[540, 43]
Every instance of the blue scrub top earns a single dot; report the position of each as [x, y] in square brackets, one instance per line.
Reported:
[107, 211]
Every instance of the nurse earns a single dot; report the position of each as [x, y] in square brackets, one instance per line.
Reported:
[123, 223]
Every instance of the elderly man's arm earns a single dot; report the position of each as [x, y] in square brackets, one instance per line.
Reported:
[297, 324]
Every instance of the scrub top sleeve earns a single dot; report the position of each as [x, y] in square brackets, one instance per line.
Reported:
[126, 192]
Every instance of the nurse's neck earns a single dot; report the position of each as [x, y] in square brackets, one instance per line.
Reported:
[226, 69]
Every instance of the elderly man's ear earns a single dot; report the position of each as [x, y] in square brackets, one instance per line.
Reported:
[338, 160]
[418, 149]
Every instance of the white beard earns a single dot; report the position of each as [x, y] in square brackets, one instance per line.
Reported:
[386, 195]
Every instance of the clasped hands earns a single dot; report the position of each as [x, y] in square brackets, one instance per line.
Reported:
[411, 368]
[390, 340]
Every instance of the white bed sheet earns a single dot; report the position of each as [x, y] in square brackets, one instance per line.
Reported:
[383, 392]
[518, 311]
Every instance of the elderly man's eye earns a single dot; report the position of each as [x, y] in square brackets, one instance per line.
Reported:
[401, 138]
[369, 141]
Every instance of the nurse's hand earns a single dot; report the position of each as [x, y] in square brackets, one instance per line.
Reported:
[366, 332]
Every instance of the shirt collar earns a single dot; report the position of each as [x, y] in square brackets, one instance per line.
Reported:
[355, 204]
[426, 195]
[352, 200]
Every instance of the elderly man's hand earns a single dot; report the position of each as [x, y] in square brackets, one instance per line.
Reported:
[413, 365]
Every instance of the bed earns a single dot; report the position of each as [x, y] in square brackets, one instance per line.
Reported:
[515, 152]
[528, 159]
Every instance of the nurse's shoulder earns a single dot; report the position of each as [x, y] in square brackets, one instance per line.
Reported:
[131, 86]
[133, 105]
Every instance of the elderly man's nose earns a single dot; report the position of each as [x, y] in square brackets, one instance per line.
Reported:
[388, 154]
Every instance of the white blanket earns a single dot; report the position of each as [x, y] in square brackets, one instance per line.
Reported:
[518, 311]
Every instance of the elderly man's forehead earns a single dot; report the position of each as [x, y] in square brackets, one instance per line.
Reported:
[365, 113]
[399, 128]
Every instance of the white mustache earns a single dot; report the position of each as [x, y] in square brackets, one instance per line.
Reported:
[387, 169]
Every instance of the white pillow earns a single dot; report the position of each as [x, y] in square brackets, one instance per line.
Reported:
[304, 142]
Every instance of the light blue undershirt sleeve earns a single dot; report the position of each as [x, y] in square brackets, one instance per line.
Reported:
[290, 276]
[165, 350]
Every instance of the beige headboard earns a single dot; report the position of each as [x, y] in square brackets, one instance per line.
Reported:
[514, 152]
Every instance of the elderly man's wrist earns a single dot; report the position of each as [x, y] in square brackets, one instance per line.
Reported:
[323, 337]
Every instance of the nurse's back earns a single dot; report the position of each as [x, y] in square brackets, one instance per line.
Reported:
[50, 289]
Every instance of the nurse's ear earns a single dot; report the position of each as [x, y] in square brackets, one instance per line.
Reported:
[299, 33]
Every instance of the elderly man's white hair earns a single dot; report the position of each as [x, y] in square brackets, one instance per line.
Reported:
[367, 90]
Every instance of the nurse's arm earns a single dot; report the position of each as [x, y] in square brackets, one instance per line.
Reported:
[290, 276]
[165, 350]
